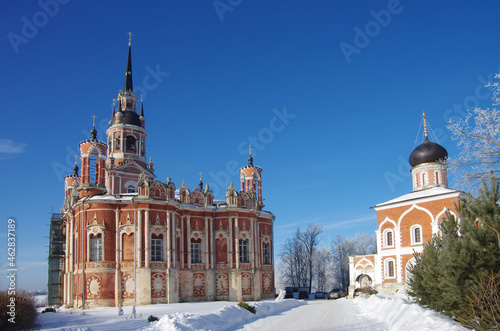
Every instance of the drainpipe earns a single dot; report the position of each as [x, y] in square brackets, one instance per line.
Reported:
[214, 254]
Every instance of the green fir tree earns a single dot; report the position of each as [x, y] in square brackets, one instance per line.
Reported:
[466, 247]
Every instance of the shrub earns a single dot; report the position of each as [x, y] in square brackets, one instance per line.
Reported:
[483, 301]
[22, 312]
[152, 318]
[365, 290]
[247, 307]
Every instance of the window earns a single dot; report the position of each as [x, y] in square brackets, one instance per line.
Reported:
[416, 234]
[157, 248]
[390, 268]
[243, 250]
[196, 251]
[92, 169]
[130, 143]
[437, 178]
[130, 189]
[388, 238]
[265, 254]
[96, 248]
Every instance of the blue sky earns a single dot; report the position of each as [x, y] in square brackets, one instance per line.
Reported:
[330, 93]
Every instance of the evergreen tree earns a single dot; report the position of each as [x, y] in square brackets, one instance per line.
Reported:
[466, 247]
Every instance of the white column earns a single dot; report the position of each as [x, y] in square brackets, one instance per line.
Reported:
[118, 287]
[167, 251]
[139, 238]
[237, 246]
[188, 238]
[206, 243]
[230, 242]
[147, 239]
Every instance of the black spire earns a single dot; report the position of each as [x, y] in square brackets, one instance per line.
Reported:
[141, 114]
[128, 74]
[75, 170]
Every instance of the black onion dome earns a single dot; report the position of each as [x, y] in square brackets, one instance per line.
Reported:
[128, 117]
[427, 152]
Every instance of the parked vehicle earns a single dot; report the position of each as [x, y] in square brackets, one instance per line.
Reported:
[303, 295]
[320, 295]
[337, 293]
[289, 294]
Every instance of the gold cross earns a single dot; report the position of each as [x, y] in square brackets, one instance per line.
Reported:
[200, 175]
[141, 97]
[129, 38]
[250, 147]
[114, 100]
[425, 123]
[76, 159]
[93, 119]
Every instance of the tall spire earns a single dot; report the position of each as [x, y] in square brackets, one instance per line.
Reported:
[93, 132]
[142, 109]
[128, 74]
[250, 158]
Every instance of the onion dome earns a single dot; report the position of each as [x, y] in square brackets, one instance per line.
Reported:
[428, 152]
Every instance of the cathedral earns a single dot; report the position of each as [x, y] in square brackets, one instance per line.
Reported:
[132, 239]
[406, 223]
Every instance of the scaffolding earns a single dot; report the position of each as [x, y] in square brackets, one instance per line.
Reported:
[55, 285]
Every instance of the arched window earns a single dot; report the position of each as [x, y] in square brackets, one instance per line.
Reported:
[92, 169]
[388, 238]
[390, 268]
[130, 144]
[243, 250]
[424, 179]
[437, 178]
[195, 251]
[157, 248]
[265, 254]
[416, 234]
[96, 248]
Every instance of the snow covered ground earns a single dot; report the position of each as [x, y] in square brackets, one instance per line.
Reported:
[378, 312]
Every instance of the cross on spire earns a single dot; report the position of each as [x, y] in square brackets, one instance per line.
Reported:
[130, 38]
[76, 159]
[250, 149]
[93, 120]
[425, 124]
[200, 175]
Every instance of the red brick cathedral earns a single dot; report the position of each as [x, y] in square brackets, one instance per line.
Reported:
[131, 239]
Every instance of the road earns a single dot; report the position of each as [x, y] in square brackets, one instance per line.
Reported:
[341, 314]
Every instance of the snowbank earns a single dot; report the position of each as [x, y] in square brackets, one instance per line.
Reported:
[399, 314]
[226, 318]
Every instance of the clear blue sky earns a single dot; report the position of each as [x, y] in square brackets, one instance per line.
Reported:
[334, 112]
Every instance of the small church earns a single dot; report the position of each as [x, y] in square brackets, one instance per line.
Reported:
[132, 239]
[406, 223]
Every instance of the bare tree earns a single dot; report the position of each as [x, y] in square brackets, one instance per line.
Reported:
[323, 269]
[365, 244]
[294, 258]
[341, 250]
[478, 136]
[310, 239]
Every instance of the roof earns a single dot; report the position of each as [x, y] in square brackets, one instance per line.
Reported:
[428, 194]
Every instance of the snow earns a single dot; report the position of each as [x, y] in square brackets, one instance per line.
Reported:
[377, 312]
